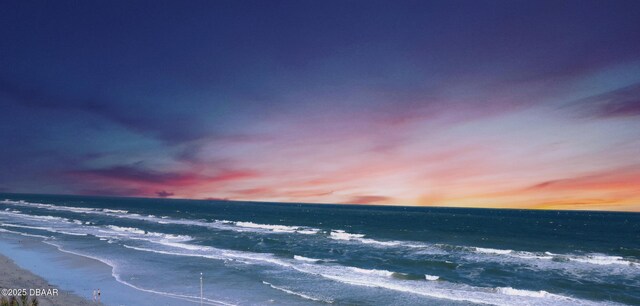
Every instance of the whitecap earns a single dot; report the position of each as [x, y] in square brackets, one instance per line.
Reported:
[342, 235]
[115, 211]
[307, 259]
[493, 251]
[271, 227]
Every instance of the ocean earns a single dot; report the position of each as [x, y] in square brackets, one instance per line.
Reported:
[303, 254]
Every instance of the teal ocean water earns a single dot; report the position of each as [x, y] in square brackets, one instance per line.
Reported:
[299, 254]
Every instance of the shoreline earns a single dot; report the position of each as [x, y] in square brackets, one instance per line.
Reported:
[16, 277]
[31, 262]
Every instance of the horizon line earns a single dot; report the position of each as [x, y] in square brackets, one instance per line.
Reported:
[319, 203]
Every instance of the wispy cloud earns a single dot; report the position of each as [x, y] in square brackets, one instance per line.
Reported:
[138, 180]
[164, 194]
[368, 199]
[617, 103]
[425, 103]
[627, 178]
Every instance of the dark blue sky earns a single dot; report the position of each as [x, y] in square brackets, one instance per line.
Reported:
[323, 101]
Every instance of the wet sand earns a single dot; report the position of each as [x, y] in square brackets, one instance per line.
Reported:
[32, 262]
[14, 277]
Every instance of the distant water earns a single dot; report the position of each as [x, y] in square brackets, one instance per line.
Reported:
[298, 254]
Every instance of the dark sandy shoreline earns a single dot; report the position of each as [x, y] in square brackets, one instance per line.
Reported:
[14, 277]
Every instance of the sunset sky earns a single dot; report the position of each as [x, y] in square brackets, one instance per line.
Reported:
[520, 104]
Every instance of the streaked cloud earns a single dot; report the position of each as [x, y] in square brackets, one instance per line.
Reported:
[483, 104]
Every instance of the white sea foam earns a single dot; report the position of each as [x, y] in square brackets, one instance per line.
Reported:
[601, 260]
[49, 206]
[598, 259]
[194, 250]
[528, 293]
[275, 228]
[18, 214]
[493, 251]
[431, 277]
[442, 289]
[209, 256]
[136, 233]
[127, 229]
[218, 224]
[590, 259]
[191, 247]
[488, 254]
[372, 271]
[530, 255]
[307, 259]
[342, 235]
[115, 211]
[383, 279]
[302, 295]
[376, 278]
[118, 278]
[77, 228]
[272, 227]
[383, 243]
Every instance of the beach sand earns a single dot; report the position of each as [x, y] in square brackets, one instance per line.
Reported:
[27, 262]
[13, 277]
